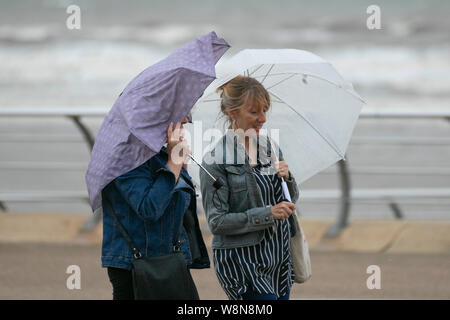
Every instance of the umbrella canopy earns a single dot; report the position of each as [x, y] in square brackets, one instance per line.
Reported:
[135, 128]
[313, 109]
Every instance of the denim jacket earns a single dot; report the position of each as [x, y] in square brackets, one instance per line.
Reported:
[156, 212]
[236, 214]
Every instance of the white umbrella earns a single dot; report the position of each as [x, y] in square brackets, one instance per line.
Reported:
[313, 108]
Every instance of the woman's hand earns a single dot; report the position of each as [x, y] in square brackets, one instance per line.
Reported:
[282, 210]
[177, 149]
[282, 169]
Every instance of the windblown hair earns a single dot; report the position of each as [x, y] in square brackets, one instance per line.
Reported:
[241, 91]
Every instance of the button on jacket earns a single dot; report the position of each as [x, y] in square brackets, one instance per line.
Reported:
[156, 211]
[236, 213]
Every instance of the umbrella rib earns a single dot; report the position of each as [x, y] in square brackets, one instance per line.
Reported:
[211, 100]
[312, 126]
[277, 101]
[287, 78]
[267, 73]
[279, 73]
[260, 66]
[320, 78]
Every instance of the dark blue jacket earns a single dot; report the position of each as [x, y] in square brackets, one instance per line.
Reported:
[156, 211]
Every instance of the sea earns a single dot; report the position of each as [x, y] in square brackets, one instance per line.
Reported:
[404, 62]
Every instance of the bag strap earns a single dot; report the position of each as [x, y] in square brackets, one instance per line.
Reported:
[136, 253]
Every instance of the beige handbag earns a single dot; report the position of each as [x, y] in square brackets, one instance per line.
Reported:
[301, 260]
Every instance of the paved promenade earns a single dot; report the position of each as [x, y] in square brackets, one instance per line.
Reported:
[414, 260]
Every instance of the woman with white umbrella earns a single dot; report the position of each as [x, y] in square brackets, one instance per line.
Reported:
[314, 110]
[248, 215]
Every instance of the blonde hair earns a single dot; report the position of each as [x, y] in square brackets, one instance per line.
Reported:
[240, 91]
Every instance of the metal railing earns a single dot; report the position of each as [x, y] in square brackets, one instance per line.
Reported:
[346, 194]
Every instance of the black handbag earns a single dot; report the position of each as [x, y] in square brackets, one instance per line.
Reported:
[159, 278]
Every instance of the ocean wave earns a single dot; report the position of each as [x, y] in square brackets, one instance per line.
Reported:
[26, 34]
[164, 34]
[401, 69]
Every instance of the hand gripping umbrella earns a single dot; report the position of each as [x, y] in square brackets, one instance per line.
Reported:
[135, 128]
[313, 109]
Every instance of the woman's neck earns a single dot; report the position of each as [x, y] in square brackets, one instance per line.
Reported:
[250, 148]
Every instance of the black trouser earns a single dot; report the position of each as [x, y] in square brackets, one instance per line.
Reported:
[122, 283]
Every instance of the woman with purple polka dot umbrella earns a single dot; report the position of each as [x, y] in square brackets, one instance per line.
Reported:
[133, 173]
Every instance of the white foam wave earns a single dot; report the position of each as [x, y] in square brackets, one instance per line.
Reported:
[96, 65]
[424, 71]
[27, 33]
[164, 34]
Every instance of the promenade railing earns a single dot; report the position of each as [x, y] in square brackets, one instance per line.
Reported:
[345, 195]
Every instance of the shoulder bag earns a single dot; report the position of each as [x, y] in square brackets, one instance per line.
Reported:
[159, 278]
[300, 258]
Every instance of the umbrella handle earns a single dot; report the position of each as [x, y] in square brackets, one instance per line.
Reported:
[283, 183]
[285, 190]
[217, 183]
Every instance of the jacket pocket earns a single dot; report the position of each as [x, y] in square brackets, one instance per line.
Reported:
[237, 185]
[236, 177]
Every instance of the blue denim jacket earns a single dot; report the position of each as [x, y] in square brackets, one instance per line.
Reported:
[156, 211]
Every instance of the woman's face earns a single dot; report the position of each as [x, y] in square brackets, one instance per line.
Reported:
[250, 116]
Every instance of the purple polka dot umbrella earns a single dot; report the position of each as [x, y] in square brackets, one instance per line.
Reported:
[135, 128]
